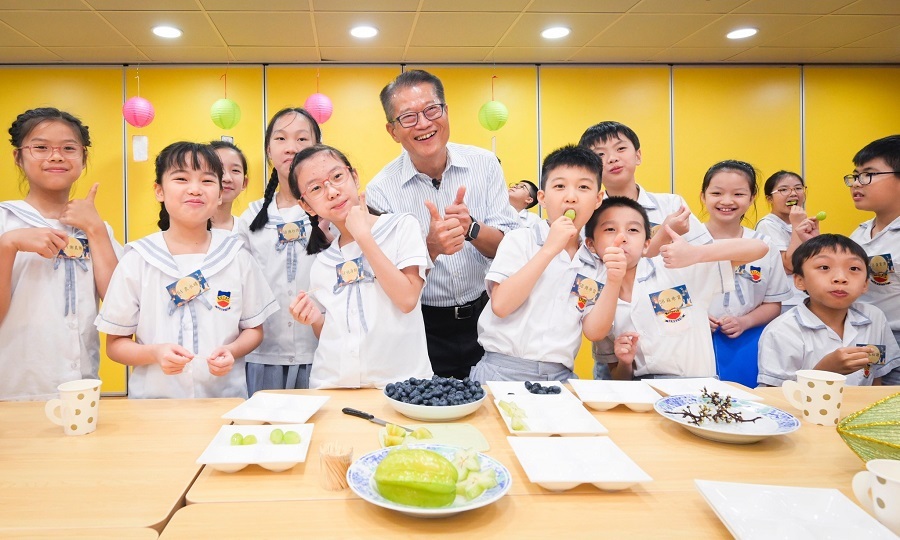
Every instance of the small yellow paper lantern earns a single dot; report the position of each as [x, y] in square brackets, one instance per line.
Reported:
[225, 113]
[493, 115]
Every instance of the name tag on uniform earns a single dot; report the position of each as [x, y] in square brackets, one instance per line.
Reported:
[882, 267]
[187, 288]
[290, 232]
[352, 271]
[876, 356]
[586, 290]
[76, 248]
[671, 303]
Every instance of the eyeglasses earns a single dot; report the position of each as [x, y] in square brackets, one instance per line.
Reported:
[851, 178]
[785, 191]
[518, 186]
[316, 190]
[44, 151]
[431, 112]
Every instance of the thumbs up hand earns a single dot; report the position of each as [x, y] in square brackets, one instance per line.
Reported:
[679, 253]
[458, 210]
[615, 260]
[82, 213]
[445, 234]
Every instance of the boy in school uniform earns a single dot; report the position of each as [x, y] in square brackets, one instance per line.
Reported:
[543, 273]
[875, 187]
[830, 330]
[656, 309]
[620, 151]
[522, 196]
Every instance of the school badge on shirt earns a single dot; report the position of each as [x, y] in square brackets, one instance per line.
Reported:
[187, 288]
[882, 267]
[291, 232]
[752, 272]
[670, 303]
[586, 291]
[223, 300]
[876, 356]
[76, 248]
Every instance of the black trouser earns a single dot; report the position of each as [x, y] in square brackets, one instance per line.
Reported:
[452, 334]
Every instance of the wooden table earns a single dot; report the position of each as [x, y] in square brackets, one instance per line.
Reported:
[255, 502]
[131, 473]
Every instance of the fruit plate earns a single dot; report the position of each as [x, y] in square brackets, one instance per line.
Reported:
[757, 512]
[564, 416]
[559, 464]
[269, 408]
[429, 413]
[360, 477]
[771, 421]
[677, 387]
[222, 456]
[603, 395]
[516, 390]
[462, 435]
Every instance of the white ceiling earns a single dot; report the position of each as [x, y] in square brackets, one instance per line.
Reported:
[439, 31]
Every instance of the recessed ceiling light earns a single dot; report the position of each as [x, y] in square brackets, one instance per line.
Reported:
[169, 32]
[741, 33]
[363, 31]
[555, 32]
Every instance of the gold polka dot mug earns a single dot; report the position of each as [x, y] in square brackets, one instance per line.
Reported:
[878, 490]
[818, 394]
[78, 407]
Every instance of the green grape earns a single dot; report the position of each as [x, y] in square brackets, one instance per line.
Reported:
[237, 439]
[570, 214]
[291, 437]
[249, 439]
[277, 436]
[821, 216]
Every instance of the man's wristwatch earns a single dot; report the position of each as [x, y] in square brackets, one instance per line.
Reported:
[473, 231]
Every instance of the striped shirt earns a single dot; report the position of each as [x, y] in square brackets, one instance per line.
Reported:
[459, 278]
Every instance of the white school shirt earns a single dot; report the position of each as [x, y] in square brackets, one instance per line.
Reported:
[528, 219]
[779, 234]
[547, 326]
[762, 280]
[798, 339]
[286, 267]
[459, 278]
[884, 262]
[660, 205]
[41, 344]
[674, 338]
[139, 303]
[366, 341]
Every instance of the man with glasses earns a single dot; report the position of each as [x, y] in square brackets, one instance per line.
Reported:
[458, 194]
[875, 187]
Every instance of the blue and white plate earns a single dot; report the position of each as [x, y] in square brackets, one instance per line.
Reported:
[360, 477]
[772, 421]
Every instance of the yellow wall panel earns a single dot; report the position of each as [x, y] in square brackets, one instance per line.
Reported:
[94, 96]
[846, 108]
[182, 98]
[356, 126]
[746, 113]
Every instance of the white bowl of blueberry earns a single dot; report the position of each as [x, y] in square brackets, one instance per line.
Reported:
[435, 399]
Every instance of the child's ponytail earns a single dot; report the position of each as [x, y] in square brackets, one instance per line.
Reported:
[163, 222]
[318, 241]
[263, 216]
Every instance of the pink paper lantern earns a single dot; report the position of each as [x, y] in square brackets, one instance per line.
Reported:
[138, 112]
[319, 106]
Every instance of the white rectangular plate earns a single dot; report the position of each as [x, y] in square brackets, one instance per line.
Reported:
[264, 407]
[564, 416]
[757, 512]
[559, 464]
[677, 387]
[222, 456]
[603, 395]
[515, 389]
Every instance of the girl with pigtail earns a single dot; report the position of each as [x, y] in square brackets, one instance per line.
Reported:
[186, 304]
[369, 280]
[277, 231]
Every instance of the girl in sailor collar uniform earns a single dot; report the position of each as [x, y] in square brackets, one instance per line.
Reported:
[369, 280]
[276, 230]
[191, 298]
[56, 259]
[729, 188]
[234, 182]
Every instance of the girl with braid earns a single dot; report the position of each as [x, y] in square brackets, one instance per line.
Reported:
[277, 231]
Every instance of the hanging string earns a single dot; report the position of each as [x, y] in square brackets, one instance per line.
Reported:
[137, 76]
[492, 86]
[317, 80]
[225, 78]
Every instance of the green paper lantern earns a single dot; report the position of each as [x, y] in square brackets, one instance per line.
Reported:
[493, 115]
[225, 113]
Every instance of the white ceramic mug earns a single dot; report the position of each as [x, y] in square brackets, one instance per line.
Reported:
[878, 490]
[78, 408]
[818, 394]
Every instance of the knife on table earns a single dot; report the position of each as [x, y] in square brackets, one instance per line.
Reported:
[369, 417]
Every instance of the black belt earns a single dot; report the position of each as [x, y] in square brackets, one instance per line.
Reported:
[465, 311]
